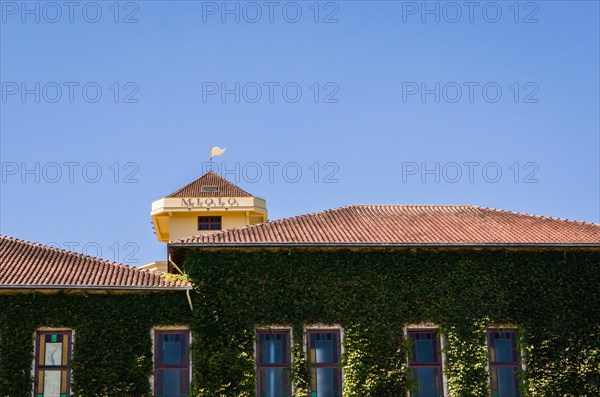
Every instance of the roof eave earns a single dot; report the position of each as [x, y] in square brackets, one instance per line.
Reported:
[405, 245]
[93, 287]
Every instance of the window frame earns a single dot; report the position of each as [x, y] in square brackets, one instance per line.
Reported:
[289, 355]
[188, 368]
[36, 358]
[519, 364]
[422, 328]
[210, 222]
[319, 328]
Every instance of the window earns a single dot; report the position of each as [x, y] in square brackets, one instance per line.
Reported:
[324, 351]
[209, 189]
[209, 223]
[171, 363]
[504, 362]
[52, 361]
[425, 361]
[273, 363]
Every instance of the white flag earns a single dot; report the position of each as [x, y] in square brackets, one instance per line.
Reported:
[216, 151]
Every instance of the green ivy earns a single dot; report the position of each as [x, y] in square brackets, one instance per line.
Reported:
[173, 277]
[552, 296]
[112, 350]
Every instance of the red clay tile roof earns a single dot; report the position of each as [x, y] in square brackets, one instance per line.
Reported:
[210, 181]
[29, 265]
[409, 225]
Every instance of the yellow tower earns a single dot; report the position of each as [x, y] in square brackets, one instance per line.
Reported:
[208, 204]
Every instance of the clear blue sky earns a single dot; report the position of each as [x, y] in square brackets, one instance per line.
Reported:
[371, 61]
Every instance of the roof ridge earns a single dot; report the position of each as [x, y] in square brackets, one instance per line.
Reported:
[473, 206]
[539, 216]
[409, 205]
[66, 251]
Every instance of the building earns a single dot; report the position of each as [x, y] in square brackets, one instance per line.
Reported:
[364, 300]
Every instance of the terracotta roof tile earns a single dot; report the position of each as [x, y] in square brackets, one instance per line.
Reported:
[25, 264]
[410, 225]
[209, 181]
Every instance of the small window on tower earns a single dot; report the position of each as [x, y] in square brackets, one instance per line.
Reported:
[209, 189]
[209, 223]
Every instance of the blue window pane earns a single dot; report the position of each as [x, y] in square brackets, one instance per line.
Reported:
[170, 383]
[507, 382]
[324, 352]
[428, 382]
[273, 353]
[274, 382]
[424, 351]
[504, 350]
[172, 353]
[325, 345]
[503, 347]
[327, 382]
[424, 347]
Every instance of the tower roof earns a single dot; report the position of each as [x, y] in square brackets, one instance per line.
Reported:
[210, 184]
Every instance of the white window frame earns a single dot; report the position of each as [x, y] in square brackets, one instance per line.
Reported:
[443, 343]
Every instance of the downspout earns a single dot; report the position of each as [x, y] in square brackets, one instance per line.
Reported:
[174, 264]
[189, 298]
[187, 291]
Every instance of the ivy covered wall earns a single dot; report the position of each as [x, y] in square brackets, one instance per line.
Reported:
[113, 349]
[553, 297]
